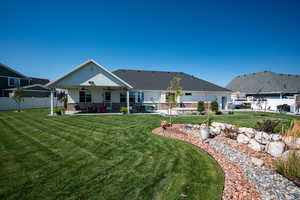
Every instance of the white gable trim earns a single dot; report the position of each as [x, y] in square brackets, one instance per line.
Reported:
[84, 64]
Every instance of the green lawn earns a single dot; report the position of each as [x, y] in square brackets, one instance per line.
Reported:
[99, 157]
[106, 157]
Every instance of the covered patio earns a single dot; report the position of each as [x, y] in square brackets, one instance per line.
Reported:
[91, 88]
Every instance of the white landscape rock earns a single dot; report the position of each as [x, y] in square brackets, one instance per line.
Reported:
[241, 138]
[257, 161]
[276, 137]
[275, 148]
[288, 153]
[292, 142]
[253, 144]
[250, 132]
[263, 137]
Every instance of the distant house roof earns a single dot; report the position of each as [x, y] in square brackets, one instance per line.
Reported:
[159, 80]
[40, 81]
[7, 71]
[265, 82]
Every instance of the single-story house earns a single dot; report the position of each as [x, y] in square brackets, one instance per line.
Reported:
[92, 87]
[271, 88]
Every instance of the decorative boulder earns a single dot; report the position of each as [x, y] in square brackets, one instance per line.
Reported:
[253, 144]
[257, 161]
[250, 132]
[276, 137]
[241, 138]
[292, 142]
[262, 137]
[285, 155]
[205, 133]
[275, 148]
[222, 126]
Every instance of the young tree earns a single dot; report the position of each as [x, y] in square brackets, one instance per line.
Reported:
[18, 96]
[174, 91]
[200, 107]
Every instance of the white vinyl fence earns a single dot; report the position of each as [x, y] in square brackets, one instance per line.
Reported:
[271, 104]
[7, 103]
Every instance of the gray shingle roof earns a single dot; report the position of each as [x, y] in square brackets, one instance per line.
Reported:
[265, 82]
[159, 80]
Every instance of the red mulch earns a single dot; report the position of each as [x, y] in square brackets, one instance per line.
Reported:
[236, 185]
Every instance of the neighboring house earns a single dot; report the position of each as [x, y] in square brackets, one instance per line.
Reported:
[11, 79]
[271, 88]
[92, 87]
[35, 92]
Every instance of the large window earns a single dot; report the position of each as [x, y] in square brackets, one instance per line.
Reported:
[123, 97]
[132, 98]
[85, 96]
[107, 96]
[15, 82]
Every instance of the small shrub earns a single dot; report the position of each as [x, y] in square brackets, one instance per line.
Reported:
[283, 126]
[230, 133]
[214, 106]
[200, 107]
[267, 125]
[230, 113]
[123, 110]
[290, 167]
[284, 108]
[293, 129]
[218, 113]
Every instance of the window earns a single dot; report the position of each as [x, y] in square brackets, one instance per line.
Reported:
[107, 96]
[15, 82]
[170, 97]
[85, 96]
[123, 97]
[188, 94]
[132, 97]
[140, 97]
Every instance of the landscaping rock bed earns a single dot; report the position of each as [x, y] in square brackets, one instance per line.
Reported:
[236, 185]
[270, 184]
[246, 162]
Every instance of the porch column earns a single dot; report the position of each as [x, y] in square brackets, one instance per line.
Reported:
[127, 100]
[51, 103]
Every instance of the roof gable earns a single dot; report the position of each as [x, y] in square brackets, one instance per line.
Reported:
[159, 80]
[89, 74]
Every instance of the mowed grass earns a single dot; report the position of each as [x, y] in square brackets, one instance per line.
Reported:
[100, 157]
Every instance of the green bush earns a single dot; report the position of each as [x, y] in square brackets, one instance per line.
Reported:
[214, 106]
[267, 125]
[218, 113]
[200, 106]
[230, 113]
[123, 109]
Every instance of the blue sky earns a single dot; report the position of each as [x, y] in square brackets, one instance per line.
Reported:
[214, 40]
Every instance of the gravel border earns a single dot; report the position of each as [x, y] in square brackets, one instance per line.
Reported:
[270, 184]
